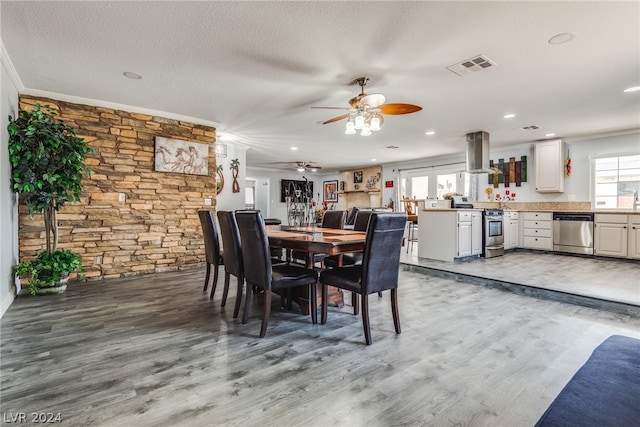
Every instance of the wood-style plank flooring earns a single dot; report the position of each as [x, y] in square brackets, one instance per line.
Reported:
[599, 278]
[154, 351]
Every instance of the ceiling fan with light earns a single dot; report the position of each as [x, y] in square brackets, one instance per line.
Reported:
[366, 111]
[303, 166]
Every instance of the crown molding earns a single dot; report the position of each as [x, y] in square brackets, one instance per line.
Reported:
[116, 106]
[11, 69]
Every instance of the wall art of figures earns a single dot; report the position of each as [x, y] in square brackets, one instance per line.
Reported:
[186, 157]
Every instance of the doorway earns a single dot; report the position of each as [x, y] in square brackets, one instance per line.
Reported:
[257, 194]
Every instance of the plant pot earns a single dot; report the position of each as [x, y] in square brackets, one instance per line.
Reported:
[58, 288]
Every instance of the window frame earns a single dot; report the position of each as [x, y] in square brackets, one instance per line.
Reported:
[593, 176]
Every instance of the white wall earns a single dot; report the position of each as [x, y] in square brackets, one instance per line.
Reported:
[577, 186]
[8, 209]
[227, 200]
[278, 209]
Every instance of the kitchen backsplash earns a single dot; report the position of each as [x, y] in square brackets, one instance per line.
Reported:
[536, 206]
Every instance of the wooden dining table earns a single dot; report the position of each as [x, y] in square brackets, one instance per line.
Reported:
[316, 240]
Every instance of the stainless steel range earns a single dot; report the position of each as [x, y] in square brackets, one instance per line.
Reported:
[493, 233]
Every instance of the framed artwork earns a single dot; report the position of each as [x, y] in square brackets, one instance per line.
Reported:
[330, 191]
[357, 177]
[177, 156]
[297, 191]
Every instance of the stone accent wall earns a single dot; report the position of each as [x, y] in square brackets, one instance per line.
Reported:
[156, 228]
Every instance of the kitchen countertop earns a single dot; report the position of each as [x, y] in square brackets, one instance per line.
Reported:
[541, 207]
[599, 211]
[452, 209]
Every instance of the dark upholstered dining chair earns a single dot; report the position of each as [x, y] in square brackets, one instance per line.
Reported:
[213, 254]
[260, 272]
[330, 219]
[355, 258]
[379, 270]
[233, 264]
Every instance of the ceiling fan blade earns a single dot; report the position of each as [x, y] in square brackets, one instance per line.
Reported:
[333, 108]
[373, 101]
[398, 108]
[335, 119]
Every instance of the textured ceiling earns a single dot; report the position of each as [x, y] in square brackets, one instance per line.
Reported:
[254, 69]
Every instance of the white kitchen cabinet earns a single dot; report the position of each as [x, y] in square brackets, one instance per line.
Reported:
[537, 230]
[448, 234]
[511, 229]
[464, 239]
[611, 237]
[549, 166]
[634, 236]
[476, 233]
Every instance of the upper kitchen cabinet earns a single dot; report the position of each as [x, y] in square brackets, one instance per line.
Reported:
[549, 166]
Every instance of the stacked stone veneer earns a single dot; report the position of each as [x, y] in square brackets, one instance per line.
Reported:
[156, 228]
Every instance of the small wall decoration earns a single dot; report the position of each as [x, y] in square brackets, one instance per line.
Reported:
[357, 177]
[177, 156]
[567, 165]
[235, 167]
[513, 172]
[330, 193]
[220, 180]
[372, 181]
[341, 185]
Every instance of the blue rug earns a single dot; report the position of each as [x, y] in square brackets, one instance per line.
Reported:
[604, 392]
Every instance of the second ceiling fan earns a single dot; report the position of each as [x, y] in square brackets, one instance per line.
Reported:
[366, 112]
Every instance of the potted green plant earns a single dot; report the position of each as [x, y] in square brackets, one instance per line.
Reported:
[47, 166]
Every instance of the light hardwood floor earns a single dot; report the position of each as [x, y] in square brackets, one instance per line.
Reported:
[153, 351]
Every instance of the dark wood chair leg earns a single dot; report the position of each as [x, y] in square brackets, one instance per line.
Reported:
[394, 309]
[206, 278]
[266, 313]
[236, 308]
[225, 290]
[247, 303]
[380, 294]
[355, 304]
[313, 306]
[214, 284]
[289, 300]
[365, 319]
[325, 292]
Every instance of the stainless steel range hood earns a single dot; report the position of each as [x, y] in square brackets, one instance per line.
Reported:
[478, 153]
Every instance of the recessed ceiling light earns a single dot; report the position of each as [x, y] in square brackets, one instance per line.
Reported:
[632, 89]
[430, 132]
[509, 116]
[549, 135]
[561, 38]
[131, 75]
[373, 160]
[294, 148]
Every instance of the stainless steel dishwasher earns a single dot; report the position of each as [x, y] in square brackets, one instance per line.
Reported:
[573, 232]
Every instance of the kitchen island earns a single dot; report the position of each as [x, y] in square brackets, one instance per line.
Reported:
[450, 234]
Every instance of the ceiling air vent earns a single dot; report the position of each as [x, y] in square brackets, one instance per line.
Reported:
[471, 65]
[531, 127]
[391, 147]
